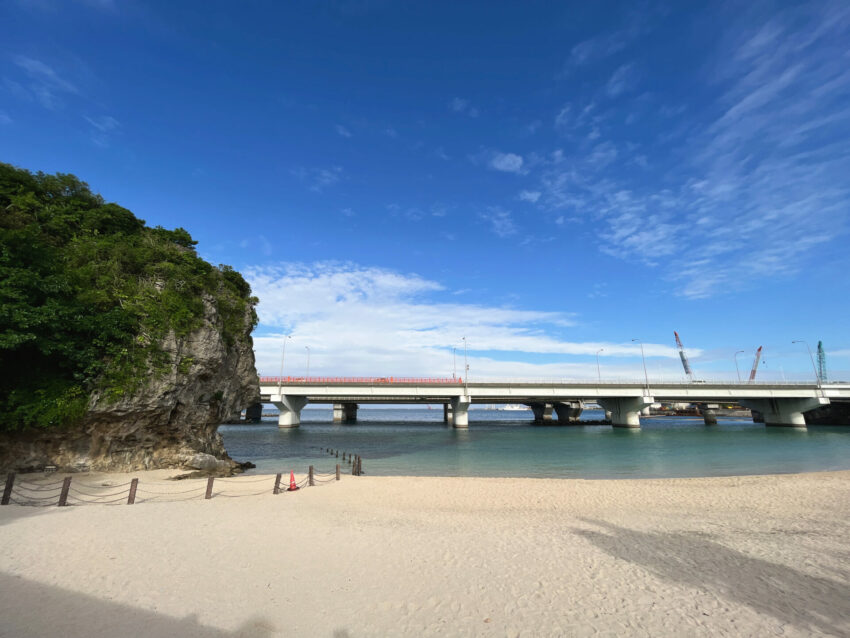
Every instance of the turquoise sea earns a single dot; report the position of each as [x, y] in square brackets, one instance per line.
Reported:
[415, 442]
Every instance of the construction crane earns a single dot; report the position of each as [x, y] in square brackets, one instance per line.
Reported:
[755, 365]
[685, 363]
[821, 362]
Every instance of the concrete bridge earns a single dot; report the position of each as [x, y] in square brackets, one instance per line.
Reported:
[778, 403]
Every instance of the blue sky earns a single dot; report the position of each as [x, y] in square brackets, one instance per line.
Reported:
[545, 179]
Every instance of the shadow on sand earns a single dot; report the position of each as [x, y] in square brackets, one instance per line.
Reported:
[31, 609]
[792, 597]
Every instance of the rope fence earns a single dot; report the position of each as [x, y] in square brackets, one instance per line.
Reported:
[38, 493]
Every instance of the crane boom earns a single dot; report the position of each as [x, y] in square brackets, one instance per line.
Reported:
[755, 365]
[684, 357]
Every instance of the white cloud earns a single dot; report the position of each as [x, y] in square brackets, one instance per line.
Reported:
[318, 179]
[751, 186]
[104, 126]
[529, 196]
[500, 220]
[370, 321]
[341, 130]
[621, 80]
[45, 84]
[507, 162]
[462, 105]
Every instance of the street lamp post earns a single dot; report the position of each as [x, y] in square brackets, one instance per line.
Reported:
[814, 367]
[737, 369]
[598, 373]
[307, 378]
[643, 358]
[282, 355]
[465, 370]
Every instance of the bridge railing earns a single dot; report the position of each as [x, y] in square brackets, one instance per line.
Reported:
[369, 380]
[542, 381]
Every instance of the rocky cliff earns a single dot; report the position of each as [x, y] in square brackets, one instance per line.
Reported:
[170, 422]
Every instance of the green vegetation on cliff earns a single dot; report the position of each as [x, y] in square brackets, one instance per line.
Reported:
[87, 293]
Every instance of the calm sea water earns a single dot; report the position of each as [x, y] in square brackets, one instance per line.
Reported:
[415, 442]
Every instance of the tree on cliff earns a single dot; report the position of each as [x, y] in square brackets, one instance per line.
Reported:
[87, 292]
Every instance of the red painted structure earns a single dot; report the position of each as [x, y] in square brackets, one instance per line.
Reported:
[362, 380]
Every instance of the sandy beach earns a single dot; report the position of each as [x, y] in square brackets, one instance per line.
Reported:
[376, 556]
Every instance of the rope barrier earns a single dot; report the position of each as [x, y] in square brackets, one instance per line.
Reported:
[147, 491]
[44, 488]
[50, 494]
[35, 498]
[73, 490]
[94, 487]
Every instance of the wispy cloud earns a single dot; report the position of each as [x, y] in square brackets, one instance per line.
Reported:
[622, 80]
[529, 196]
[362, 320]
[752, 187]
[500, 220]
[4, 118]
[461, 105]
[44, 84]
[507, 163]
[102, 128]
[341, 130]
[319, 179]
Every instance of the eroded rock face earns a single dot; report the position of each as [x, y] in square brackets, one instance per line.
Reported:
[168, 423]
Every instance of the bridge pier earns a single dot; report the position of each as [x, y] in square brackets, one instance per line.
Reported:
[345, 413]
[460, 411]
[542, 412]
[290, 409]
[709, 412]
[784, 412]
[626, 411]
[447, 413]
[569, 412]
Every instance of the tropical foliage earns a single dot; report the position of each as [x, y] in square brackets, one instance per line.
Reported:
[88, 292]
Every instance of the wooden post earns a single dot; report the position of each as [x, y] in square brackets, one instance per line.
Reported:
[277, 484]
[337, 454]
[133, 485]
[210, 480]
[7, 491]
[310, 477]
[337, 471]
[343, 456]
[354, 469]
[63, 495]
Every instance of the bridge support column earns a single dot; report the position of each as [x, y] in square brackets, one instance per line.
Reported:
[709, 413]
[345, 413]
[784, 412]
[542, 412]
[569, 412]
[290, 409]
[447, 413]
[460, 412]
[626, 411]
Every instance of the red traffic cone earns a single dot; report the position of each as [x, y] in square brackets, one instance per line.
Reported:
[292, 485]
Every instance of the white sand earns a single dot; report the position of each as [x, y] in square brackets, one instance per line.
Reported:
[369, 556]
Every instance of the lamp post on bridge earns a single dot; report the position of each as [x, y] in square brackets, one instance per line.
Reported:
[465, 370]
[643, 358]
[282, 355]
[814, 367]
[307, 378]
[598, 373]
[737, 369]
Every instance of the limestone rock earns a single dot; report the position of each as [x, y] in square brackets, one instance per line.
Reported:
[170, 422]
